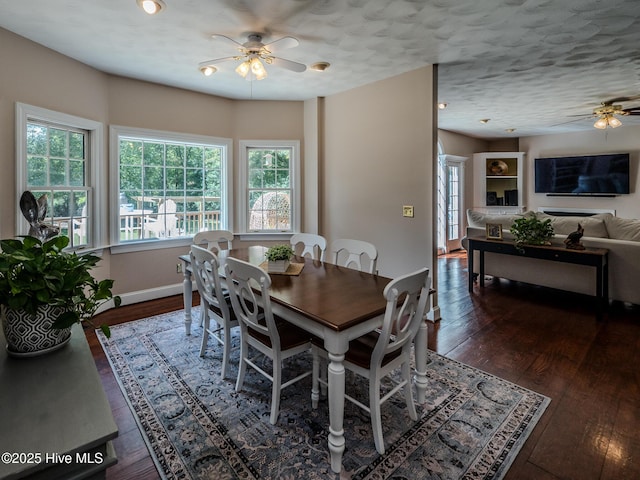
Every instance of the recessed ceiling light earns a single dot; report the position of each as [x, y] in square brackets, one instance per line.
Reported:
[442, 105]
[509, 130]
[485, 120]
[320, 66]
[208, 70]
[151, 6]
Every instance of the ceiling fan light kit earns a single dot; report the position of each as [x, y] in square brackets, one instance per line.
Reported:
[151, 7]
[253, 53]
[607, 120]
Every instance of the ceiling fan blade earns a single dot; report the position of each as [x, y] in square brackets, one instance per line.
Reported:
[215, 61]
[633, 112]
[281, 44]
[572, 121]
[289, 64]
[217, 36]
[621, 99]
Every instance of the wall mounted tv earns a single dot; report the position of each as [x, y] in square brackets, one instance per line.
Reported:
[583, 175]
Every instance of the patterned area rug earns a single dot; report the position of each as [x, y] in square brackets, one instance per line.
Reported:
[198, 427]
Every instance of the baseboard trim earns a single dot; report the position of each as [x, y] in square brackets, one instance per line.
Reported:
[130, 298]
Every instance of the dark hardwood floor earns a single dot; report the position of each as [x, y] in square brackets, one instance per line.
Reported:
[545, 340]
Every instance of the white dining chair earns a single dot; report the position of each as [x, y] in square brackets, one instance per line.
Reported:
[215, 304]
[218, 239]
[215, 239]
[348, 253]
[377, 354]
[166, 222]
[260, 329]
[314, 245]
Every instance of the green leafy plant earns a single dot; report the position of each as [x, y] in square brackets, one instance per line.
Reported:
[532, 231]
[279, 252]
[35, 273]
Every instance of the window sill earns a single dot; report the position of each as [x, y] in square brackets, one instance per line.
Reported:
[257, 236]
[150, 245]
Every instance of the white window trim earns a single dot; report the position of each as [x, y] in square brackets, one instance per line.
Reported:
[96, 166]
[115, 132]
[244, 197]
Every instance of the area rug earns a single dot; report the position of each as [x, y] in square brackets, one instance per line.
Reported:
[198, 427]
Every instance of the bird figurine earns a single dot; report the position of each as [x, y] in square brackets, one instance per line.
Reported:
[573, 239]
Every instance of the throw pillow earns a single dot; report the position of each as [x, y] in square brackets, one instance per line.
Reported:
[480, 220]
[623, 228]
[594, 225]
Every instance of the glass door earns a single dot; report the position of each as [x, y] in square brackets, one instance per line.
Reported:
[450, 202]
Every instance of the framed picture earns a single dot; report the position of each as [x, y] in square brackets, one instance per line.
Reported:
[494, 231]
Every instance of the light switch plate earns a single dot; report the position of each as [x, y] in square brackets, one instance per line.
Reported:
[407, 211]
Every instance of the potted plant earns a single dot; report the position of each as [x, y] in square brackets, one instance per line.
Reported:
[279, 258]
[44, 290]
[532, 231]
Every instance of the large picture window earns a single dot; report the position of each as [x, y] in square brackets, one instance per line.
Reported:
[269, 175]
[169, 185]
[55, 160]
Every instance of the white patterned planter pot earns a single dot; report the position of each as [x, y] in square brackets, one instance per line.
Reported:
[278, 266]
[28, 335]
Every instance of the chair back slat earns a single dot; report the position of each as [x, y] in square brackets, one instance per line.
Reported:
[218, 239]
[253, 310]
[407, 298]
[354, 250]
[206, 270]
[314, 245]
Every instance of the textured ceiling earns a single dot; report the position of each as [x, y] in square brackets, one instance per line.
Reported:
[524, 64]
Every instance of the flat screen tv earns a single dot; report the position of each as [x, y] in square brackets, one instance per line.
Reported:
[583, 175]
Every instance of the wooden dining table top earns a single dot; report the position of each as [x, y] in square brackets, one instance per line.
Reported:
[336, 297]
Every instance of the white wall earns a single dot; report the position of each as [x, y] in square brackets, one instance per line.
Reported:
[619, 140]
[378, 156]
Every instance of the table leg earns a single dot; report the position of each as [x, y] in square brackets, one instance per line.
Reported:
[187, 297]
[420, 345]
[470, 266]
[481, 268]
[336, 410]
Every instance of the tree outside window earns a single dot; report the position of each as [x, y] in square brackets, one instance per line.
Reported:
[57, 160]
[170, 188]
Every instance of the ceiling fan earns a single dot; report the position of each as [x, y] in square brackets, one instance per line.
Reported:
[252, 53]
[607, 112]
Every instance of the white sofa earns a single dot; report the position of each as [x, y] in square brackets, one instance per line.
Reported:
[620, 236]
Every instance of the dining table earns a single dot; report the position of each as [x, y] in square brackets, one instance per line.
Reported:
[332, 302]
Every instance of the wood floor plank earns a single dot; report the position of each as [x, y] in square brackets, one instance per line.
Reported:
[542, 339]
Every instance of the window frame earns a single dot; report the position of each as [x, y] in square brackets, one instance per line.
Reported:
[95, 166]
[243, 178]
[118, 131]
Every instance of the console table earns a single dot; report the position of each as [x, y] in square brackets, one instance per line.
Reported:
[55, 420]
[593, 257]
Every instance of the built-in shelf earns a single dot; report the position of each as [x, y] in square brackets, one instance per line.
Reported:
[499, 182]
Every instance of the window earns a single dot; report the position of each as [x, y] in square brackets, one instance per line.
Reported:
[269, 175]
[58, 157]
[168, 185]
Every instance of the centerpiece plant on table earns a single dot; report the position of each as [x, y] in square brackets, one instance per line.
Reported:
[279, 258]
[44, 290]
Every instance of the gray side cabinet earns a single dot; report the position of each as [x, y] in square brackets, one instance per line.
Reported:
[55, 420]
